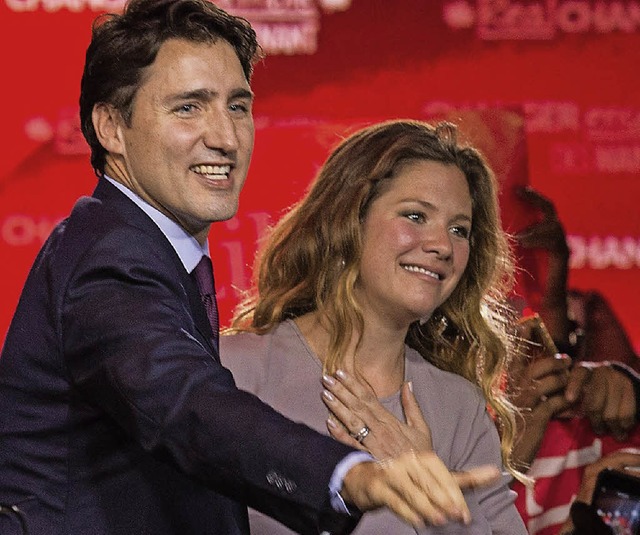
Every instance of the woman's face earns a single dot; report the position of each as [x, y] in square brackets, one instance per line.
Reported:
[415, 242]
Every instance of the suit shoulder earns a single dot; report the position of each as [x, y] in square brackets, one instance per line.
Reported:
[112, 229]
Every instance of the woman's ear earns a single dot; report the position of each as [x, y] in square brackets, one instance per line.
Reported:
[107, 122]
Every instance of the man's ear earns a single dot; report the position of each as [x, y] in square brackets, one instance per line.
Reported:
[107, 122]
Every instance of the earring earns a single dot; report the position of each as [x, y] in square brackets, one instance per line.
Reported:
[443, 323]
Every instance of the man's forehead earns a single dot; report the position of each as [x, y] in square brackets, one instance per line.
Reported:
[181, 59]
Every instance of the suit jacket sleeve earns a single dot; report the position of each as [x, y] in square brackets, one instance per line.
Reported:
[133, 347]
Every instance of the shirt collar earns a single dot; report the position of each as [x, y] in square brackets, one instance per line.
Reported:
[186, 246]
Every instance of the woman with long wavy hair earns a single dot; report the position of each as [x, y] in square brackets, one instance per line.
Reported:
[378, 313]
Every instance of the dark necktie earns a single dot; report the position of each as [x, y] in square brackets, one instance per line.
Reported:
[203, 273]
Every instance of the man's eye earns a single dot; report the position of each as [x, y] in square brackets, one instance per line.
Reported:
[186, 108]
[243, 108]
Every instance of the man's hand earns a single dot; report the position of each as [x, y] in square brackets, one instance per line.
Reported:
[620, 460]
[417, 487]
[606, 397]
[548, 235]
[538, 391]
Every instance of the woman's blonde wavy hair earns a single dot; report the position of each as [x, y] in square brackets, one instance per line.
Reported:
[311, 262]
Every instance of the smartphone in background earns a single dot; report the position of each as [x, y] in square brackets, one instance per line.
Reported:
[539, 334]
[616, 499]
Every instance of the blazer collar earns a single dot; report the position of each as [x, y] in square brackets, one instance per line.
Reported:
[132, 214]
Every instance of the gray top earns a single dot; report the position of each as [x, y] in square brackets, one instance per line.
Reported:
[281, 369]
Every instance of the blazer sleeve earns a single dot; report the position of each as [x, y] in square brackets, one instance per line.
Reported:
[132, 348]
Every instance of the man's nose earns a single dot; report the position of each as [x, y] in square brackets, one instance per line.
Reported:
[221, 132]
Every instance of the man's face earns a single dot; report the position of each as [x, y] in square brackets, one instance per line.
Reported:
[188, 147]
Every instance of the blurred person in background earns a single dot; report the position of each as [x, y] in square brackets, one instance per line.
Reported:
[580, 406]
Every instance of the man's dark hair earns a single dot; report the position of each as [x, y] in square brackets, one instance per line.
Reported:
[122, 46]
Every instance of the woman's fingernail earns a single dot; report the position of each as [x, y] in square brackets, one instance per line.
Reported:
[410, 383]
[328, 395]
[327, 379]
[331, 423]
[341, 374]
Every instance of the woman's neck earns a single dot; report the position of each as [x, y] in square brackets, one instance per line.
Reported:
[379, 359]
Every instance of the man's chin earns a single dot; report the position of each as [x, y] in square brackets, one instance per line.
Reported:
[223, 214]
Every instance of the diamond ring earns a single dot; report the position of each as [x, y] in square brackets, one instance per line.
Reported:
[361, 435]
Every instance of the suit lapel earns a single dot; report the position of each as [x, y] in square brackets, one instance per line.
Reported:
[133, 215]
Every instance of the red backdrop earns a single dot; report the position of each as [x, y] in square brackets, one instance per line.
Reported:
[332, 65]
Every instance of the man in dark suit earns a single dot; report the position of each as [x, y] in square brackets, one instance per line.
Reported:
[116, 416]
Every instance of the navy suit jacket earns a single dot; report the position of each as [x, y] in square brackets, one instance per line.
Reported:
[116, 416]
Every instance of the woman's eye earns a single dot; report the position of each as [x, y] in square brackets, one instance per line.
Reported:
[417, 217]
[463, 232]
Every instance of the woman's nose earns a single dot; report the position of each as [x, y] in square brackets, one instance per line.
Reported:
[437, 239]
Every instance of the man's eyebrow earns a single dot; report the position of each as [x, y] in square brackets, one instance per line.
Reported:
[208, 94]
[242, 93]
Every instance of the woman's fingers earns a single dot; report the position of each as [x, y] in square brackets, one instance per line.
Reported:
[340, 433]
[349, 410]
[368, 423]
